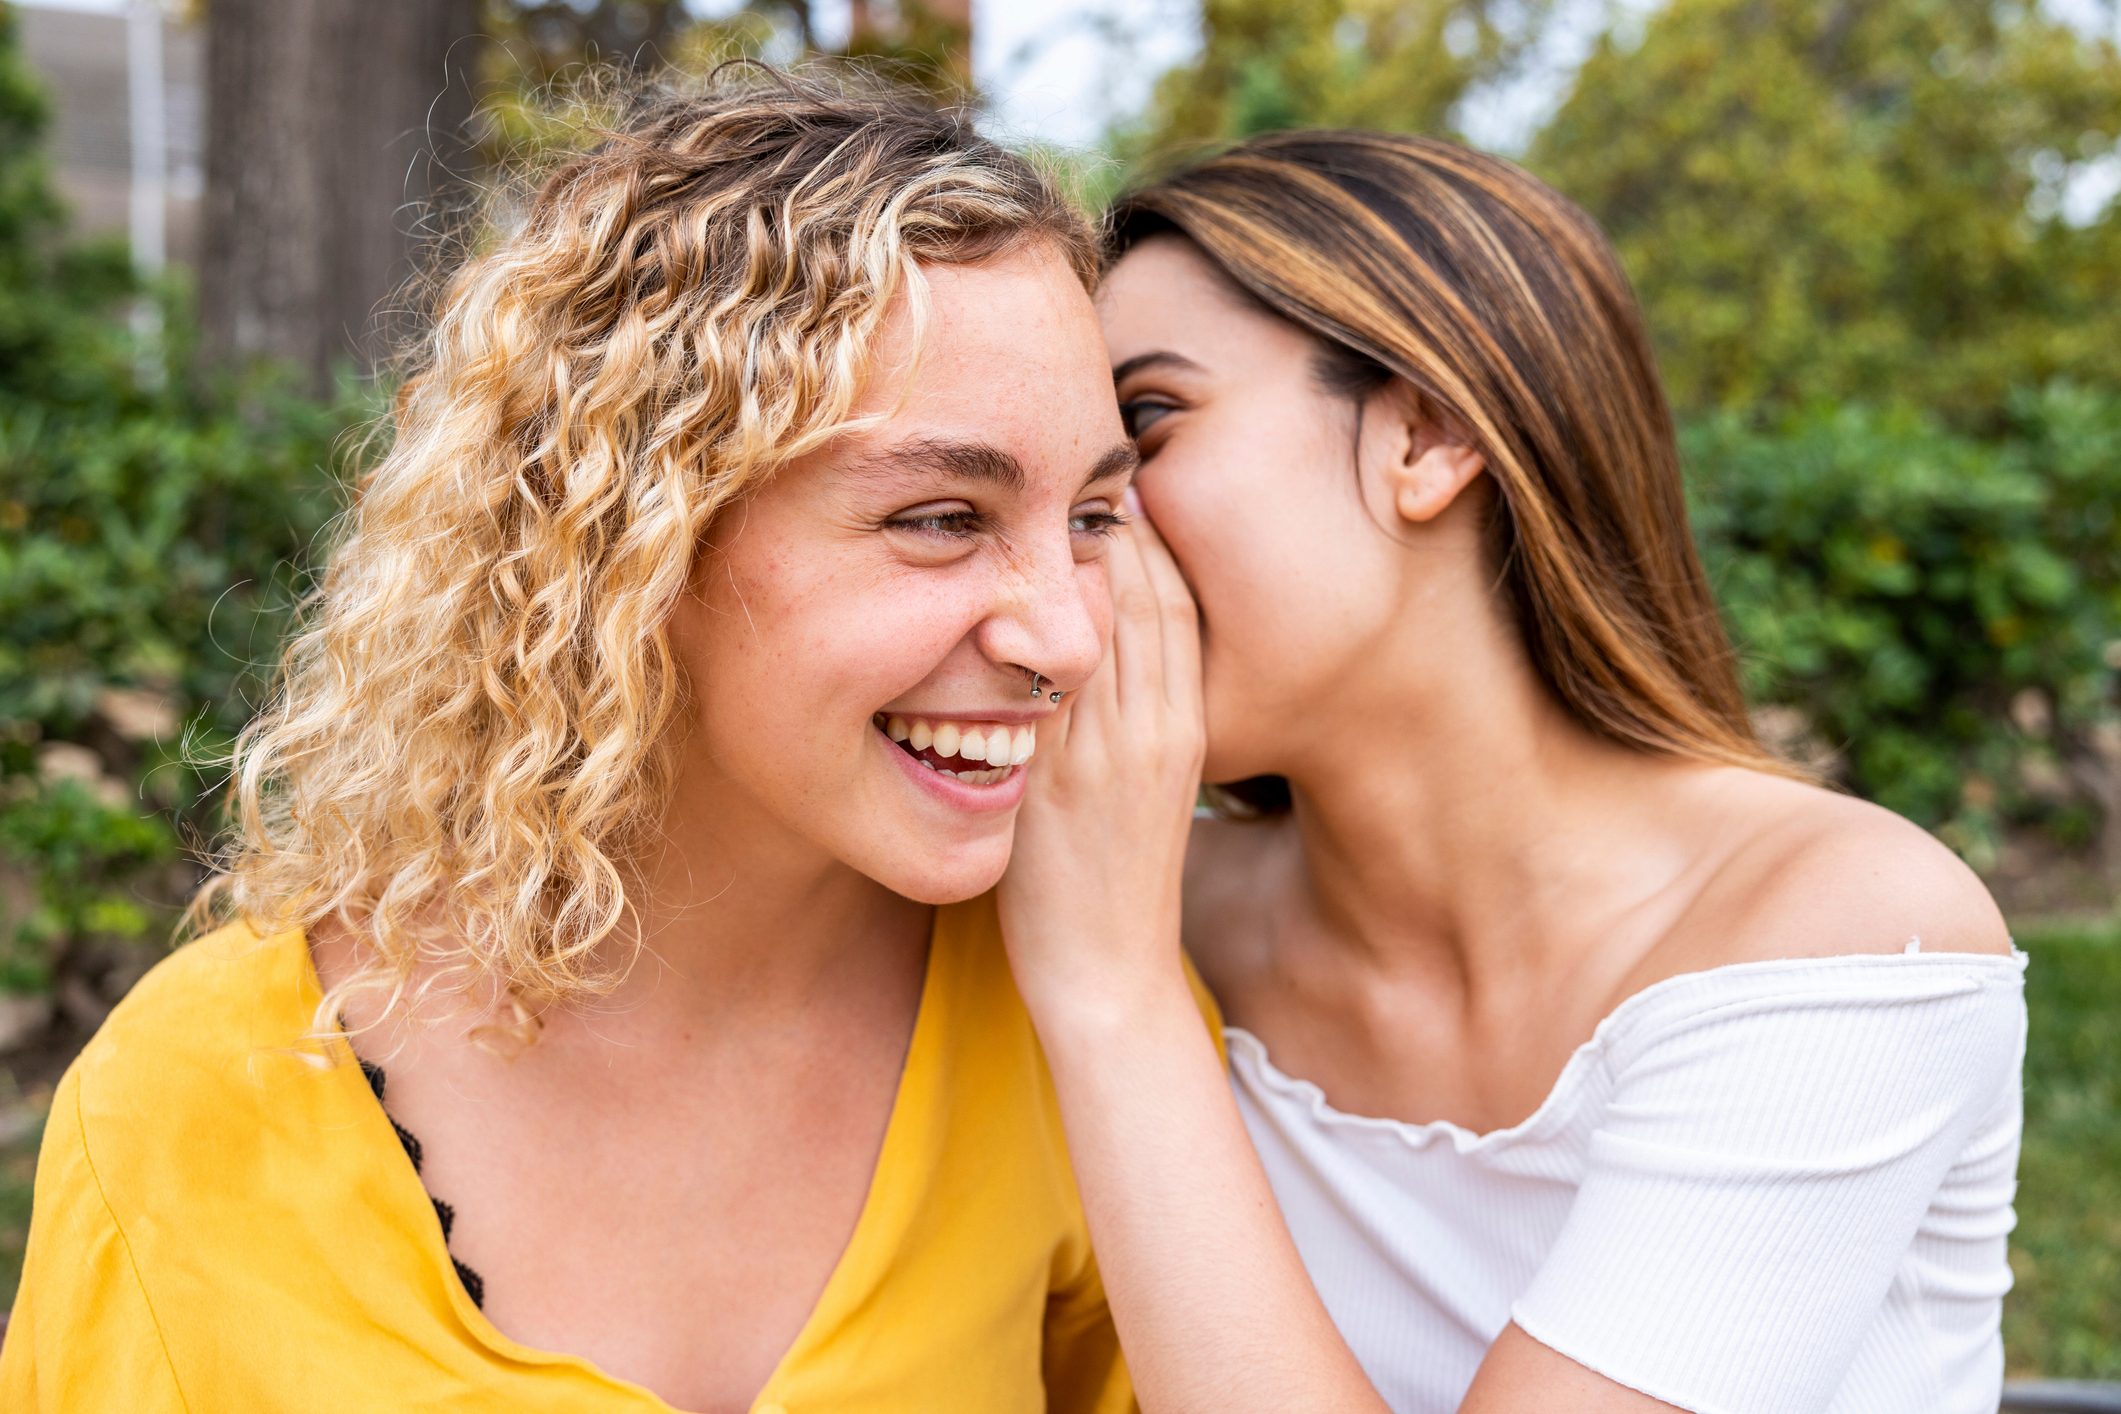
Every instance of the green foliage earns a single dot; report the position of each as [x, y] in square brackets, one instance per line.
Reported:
[148, 525]
[2063, 1318]
[149, 534]
[18, 1170]
[1941, 609]
[54, 339]
[1836, 201]
[88, 852]
[1816, 199]
[1401, 64]
[554, 63]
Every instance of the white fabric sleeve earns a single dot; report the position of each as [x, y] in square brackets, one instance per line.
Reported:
[1766, 1160]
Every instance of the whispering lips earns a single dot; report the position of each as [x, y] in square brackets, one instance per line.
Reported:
[979, 753]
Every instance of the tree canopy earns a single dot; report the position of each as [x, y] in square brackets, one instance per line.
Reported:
[1816, 199]
[1401, 64]
[1850, 198]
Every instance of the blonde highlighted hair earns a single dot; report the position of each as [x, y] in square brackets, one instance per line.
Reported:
[470, 734]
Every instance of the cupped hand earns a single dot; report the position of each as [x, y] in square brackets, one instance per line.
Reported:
[1090, 903]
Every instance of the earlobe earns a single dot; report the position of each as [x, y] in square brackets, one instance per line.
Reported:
[1426, 486]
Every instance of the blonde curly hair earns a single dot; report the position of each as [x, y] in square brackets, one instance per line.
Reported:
[468, 738]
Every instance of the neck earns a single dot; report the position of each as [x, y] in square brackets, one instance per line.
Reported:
[736, 917]
[1482, 827]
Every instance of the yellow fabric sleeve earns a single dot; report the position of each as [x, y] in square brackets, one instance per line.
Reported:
[82, 1334]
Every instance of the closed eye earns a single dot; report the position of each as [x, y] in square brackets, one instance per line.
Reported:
[1137, 415]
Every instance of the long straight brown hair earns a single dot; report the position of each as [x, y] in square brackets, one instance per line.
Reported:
[1501, 303]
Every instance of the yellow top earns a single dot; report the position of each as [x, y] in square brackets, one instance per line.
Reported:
[222, 1224]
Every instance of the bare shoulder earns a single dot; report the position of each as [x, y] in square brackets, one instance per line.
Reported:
[1806, 872]
[1227, 864]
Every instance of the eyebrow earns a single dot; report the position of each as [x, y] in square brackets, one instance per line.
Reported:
[1155, 358]
[1122, 460]
[978, 461]
[963, 461]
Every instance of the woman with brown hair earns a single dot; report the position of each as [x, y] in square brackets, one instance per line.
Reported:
[597, 1020]
[1597, 1060]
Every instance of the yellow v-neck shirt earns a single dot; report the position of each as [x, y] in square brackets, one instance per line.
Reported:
[222, 1223]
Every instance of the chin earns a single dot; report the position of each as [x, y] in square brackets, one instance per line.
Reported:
[1241, 744]
[968, 871]
[1229, 759]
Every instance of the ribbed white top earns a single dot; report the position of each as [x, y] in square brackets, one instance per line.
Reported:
[1768, 1187]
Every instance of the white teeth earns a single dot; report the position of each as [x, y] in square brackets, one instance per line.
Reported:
[979, 745]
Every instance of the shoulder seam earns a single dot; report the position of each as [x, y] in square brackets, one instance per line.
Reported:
[88, 1158]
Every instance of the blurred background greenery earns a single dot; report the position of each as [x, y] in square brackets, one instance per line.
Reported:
[1878, 243]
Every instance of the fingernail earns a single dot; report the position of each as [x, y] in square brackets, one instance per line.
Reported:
[1132, 500]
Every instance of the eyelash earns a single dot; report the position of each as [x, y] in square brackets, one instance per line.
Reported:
[963, 525]
[955, 524]
[1131, 410]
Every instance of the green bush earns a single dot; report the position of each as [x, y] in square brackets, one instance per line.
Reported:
[1941, 611]
[150, 521]
[148, 542]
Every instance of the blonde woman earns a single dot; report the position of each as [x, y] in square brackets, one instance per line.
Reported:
[1596, 1061]
[742, 533]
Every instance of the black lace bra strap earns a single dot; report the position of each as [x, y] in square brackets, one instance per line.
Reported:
[474, 1284]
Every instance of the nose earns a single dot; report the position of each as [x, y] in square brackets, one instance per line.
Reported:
[1051, 614]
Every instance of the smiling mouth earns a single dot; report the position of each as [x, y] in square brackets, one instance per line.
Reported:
[977, 753]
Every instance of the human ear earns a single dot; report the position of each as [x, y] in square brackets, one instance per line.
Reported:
[1425, 483]
[1418, 453]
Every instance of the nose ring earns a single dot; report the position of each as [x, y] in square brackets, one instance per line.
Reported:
[1036, 679]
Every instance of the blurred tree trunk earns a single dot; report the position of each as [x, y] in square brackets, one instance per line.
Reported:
[335, 141]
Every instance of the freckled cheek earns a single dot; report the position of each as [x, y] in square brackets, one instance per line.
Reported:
[805, 642]
[864, 648]
[770, 635]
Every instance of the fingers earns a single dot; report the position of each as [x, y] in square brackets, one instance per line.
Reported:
[1152, 673]
[1093, 715]
[1178, 616]
[1137, 623]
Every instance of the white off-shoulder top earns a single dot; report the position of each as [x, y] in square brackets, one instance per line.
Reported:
[1769, 1188]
